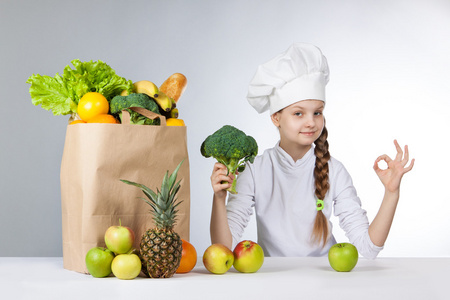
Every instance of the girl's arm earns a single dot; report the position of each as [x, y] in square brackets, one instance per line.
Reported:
[220, 231]
[391, 178]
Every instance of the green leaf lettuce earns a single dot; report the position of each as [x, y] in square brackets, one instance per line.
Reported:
[61, 94]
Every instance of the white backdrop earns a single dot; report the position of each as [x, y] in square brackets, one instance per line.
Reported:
[389, 63]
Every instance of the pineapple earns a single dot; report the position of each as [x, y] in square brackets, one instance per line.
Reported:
[160, 247]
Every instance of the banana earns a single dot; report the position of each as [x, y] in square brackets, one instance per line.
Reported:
[165, 102]
[147, 87]
[174, 113]
[171, 114]
[143, 86]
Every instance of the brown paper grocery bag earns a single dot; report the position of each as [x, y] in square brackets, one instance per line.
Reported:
[95, 158]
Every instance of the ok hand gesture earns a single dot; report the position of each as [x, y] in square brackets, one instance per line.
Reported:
[392, 176]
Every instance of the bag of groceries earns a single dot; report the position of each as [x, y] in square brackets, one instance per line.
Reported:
[95, 158]
[118, 130]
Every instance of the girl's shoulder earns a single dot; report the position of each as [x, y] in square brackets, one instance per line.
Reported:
[337, 169]
[336, 163]
[267, 154]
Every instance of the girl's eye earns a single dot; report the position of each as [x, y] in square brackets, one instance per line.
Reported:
[318, 113]
[299, 114]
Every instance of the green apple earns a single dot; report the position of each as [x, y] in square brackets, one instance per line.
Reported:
[98, 261]
[126, 266]
[343, 257]
[119, 239]
[218, 259]
[248, 257]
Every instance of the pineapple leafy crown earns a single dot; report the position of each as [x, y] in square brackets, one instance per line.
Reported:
[163, 203]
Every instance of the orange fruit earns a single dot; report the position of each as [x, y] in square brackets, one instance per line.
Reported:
[188, 257]
[103, 118]
[91, 105]
[77, 122]
[174, 122]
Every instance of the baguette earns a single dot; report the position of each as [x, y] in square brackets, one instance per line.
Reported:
[174, 86]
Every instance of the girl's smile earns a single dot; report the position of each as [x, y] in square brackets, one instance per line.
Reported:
[308, 133]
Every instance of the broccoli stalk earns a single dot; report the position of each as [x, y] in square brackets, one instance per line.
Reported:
[231, 147]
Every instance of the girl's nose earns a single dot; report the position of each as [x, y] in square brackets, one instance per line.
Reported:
[310, 121]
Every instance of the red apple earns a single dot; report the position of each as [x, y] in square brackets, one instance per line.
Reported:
[98, 261]
[343, 257]
[218, 259]
[248, 257]
[119, 239]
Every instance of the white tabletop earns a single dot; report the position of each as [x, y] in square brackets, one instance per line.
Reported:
[279, 278]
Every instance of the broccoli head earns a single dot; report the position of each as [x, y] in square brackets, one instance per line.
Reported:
[231, 147]
[119, 103]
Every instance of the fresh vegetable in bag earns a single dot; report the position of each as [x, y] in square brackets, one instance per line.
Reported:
[61, 94]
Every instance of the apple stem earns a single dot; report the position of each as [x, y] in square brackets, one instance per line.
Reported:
[120, 222]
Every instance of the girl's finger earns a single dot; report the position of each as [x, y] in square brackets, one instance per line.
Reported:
[399, 155]
[384, 157]
[218, 166]
[221, 187]
[225, 186]
[376, 167]
[220, 169]
[406, 157]
[380, 158]
[411, 165]
[225, 178]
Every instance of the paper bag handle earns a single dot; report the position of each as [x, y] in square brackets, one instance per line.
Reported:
[147, 113]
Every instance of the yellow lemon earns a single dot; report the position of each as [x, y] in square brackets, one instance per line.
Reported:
[91, 105]
[175, 122]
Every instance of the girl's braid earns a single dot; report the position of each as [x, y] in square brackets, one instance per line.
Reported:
[320, 230]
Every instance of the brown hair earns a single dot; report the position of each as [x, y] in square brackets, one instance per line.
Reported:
[320, 230]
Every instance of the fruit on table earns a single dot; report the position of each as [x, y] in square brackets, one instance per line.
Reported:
[188, 257]
[103, 118]
[161, 247]
[91, 105]
[218, 259]
[174, 86]
[248, 257]
[343, 257]
[119, 239]
[126, 266]
[98, 261]
[174, 122]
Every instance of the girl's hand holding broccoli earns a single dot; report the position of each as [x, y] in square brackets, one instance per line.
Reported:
[220, 181]
[392, 176]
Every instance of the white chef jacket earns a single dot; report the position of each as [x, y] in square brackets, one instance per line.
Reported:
[281, 191]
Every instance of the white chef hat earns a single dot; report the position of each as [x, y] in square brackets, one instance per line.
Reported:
[299, 73]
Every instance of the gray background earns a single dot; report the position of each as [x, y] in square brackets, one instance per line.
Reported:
[389, 63]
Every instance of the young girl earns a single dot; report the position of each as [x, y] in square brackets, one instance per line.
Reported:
[294, 185]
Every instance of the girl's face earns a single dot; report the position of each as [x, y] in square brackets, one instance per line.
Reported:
[300, 124]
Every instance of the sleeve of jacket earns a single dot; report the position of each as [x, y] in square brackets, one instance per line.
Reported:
[352, 218]
[240, 205]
